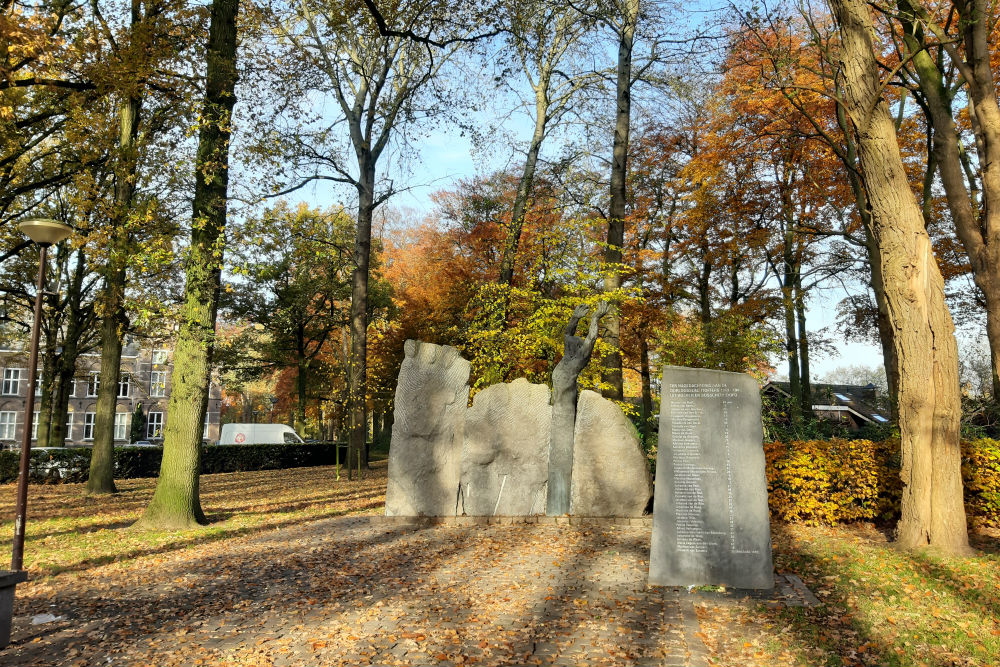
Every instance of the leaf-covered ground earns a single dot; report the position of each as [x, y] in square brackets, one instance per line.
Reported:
[291, 572]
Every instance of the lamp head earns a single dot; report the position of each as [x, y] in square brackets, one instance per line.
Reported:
[44, 231]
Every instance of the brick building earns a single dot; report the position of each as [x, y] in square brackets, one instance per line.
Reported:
[145, 380]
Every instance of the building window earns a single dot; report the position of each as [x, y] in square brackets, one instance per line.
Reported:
[93, 384]
[204, 433]
[34, 426]
[69, 426]
[38, 387]
[88, 425]
[154, 425]
[8, 420]
[159, 356]
[124, 385]
[121, 425]
[158, 384]
[11, 381]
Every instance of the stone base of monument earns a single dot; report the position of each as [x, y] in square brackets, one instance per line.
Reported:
[8, 581]
[710, 517]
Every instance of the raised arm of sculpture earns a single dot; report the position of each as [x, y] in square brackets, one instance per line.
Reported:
[588, 343]
[576, 355]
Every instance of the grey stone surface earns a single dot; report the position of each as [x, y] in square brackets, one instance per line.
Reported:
[710, 519]
[610, 474]
[576, 355]
[506, 450]
[428, 430]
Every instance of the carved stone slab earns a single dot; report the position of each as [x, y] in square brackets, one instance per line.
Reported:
[610, 473]
[710, 517]
[427, 434]
[506, 451]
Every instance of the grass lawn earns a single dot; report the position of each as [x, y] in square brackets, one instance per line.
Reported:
[881, 606]
[70, 531]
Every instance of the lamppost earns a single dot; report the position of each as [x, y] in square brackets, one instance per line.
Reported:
[44, 233]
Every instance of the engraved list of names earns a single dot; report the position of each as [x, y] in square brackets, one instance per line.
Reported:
[710, 522]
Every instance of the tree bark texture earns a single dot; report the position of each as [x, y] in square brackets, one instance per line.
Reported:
[358, 367]
[613, 379]
[176, 503]
[886, 334]
[647, 392]
[978, 228]
[933, 513]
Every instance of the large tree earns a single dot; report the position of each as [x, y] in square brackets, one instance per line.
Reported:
[933, 513]
[176, 503]
[543, 39]
[377, 84]
[970, 174]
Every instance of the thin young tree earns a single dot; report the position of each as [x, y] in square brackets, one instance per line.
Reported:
[379, 84]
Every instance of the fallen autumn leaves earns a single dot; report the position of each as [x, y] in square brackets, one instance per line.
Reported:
[288, 573]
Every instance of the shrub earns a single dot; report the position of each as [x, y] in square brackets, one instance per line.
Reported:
[837, 481]
[981, 477]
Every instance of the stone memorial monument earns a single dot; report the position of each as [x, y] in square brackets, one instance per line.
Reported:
[610, 473]
[506, 451]
[710, 516]
[425, 457]
[499, 457]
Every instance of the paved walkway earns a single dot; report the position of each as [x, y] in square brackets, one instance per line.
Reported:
[367, 590]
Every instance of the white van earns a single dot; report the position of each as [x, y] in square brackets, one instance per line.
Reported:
[258, 434]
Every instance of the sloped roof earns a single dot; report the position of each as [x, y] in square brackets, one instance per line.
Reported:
[859, 400]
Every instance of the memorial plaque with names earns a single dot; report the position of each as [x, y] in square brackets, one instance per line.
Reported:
[710, 517]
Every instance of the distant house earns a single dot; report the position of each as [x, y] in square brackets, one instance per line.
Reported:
[145, 380]
[848, 404]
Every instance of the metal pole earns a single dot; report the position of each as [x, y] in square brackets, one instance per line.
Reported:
[17, 554]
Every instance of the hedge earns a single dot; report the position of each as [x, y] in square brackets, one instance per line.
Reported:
[72, 464]
[837, 481]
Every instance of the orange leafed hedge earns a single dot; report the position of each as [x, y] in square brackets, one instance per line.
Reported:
[837, 481]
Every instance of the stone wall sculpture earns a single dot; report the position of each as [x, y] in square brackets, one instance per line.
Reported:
[495, 458]
[506, 451]
[610, 473]
[425, 457]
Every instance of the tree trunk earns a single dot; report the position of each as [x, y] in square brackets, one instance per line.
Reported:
[978, 230]
[300, 391]
[800, 316]
[886, 333]
[791, 339]
[358, 367]
[933, 513]
[176, 503]
[647, 392]
[47, 381]
[102, 457]
[508, 260]
[613, 379]
[114, 322]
